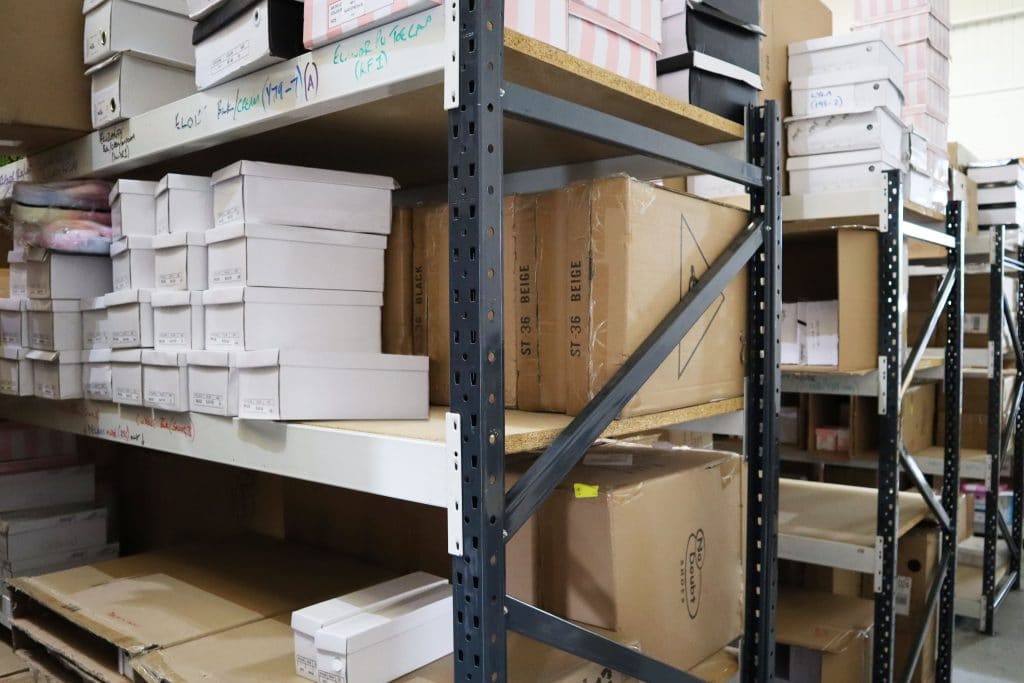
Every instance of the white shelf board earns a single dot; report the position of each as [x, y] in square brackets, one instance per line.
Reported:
[855, 205]
[973, 462]
[802, 379]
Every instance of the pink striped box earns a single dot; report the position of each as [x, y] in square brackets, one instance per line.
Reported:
[913, 27]
[643, 16]
[920, 59]
[936, 130]
[928, 94]
[868, 11]
[606, 43]
[325, 21]
[545, 21]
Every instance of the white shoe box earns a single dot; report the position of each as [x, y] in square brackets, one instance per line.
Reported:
[134, 262]
[865, 49]
[126, 85]
[41, 488]
[165, 380]
[133, 207]
[97, 383]
[845, 92]
[213, 383]
[26, 534]
[130, 319]
[918, 187]
[14, 322]
[276, 194]
[303, 385]
[126, 376]
[184, 203]
[875, 129]
[1011, 173]
[95, 334]
[994, 194]
[145, 27]
[251, 318]
[388, 642]
[305, 258]
[1013, 215]
[55, 275]
[916, 151]
[840, 171]
[181, 262]
[16, 372]
[306, 622]
[18, 274]
[178, 321]
[55, 325]
[197, 9]
[56, 374]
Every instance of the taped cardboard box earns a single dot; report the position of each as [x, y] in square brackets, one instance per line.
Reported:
[620, 537]
[823, 637]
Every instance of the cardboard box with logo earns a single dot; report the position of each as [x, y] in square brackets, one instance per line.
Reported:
[822, 637]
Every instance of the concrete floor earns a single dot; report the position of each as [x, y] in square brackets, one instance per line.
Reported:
[983, 659]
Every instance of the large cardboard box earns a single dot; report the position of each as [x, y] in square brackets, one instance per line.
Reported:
[649, 544]
[396, 315]
[822, 637]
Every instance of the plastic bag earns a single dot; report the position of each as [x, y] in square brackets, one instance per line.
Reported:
[71, 216]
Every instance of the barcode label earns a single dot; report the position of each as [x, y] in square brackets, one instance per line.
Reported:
[902, 595]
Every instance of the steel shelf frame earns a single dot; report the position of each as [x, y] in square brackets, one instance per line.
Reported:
[483, 613]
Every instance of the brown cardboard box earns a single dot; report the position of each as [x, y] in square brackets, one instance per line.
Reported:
[821, 634]
[522, 552]
[974, 419]
[962, 188]
[46, 96]
[647, 245]
[917, 420]
[721, 667]
[649, 548]
[976, 309]
[398, 285]
[960, 157]
[840, 264]
[527, 304]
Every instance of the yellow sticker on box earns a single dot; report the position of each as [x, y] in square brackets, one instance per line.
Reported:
[585, 490]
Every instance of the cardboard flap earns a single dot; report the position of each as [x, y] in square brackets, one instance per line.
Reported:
[48, 356]
[127, 296]
[296, 234]
[131, 242]
[95, 303]
[822, 621]
[164, 358]
[313, 175]
[54, 305]
[178, 181]
[91, 71]
[179, 239]
[14, 352]
[125, 186]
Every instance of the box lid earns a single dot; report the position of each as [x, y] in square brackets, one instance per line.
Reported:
[330, 359]
[14, 352]
[34, 519]
[126, 356]
[179, 181]
[212, 359]
[284, 295]
[131, 242]
[16, 256]
[833, 159]
[62, 357]
[97, 356]
[820, 621]
[827, 79]
[172, 6]
[309, 620]
[313, 175]
[835, 119]
[703, 62]
[603, 20]
[54, 305]
[292, 233]
[858, 37]
[374, 626]
[125, 186]
[165, 358]
[13, 304]
[95, 303]
[179, 239]
[91, 71]
[40, 254]
[171, 297]
[127, 296]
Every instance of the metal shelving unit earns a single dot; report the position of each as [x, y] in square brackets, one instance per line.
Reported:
[888, 382]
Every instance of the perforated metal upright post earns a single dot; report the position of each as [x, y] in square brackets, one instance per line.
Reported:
[1018, 441]
[763, 399]
[475, 171]
[994, 437]
[953, 384]
[889, 369]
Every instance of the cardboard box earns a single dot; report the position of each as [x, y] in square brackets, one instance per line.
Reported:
[178, 321]
[149, 28]
[840, 264]
[823, 637]
[845, 92]
[253, 318]
[549, 25]
[44, 531]
[601, 40]
[305, 258]
[914, 25]
[388, 641]
[184, 203]
[598, 530]
[841, 171]
[839, 55]
[95, 332]
[54, 562]
[96, 375]
[14, 322]
[819, 323]
[130, 318]
[133, 207]
[213, 383]
[181, 262]
[960, 157]
[1011, 173]
[917, 418]
[126, 376]
[16, 371]
[875, 129]
[713, 31]
[326, 22]
[42, 116]
[18, 274]
[165, 380]
[125, 85]
[709, 83]
[134, 262]
[55, 325]
[47, 488]
[793, 420]
[276, 194]
[396, 326]
[832, 439]
[55, 275]
[827, 416]
[233, 41]
[305, 385]
[1001, 194]
[56, 374]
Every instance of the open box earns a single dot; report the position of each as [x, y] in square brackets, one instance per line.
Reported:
[56, 374]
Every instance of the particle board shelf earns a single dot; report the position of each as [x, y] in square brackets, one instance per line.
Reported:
[973, 461]
[826, 211]
[834, 525]
[370, 109]
[402, 459]
[825, 380]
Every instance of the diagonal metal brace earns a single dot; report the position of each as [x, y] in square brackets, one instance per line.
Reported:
[938, 308]
[921, 484]
[945, 562]
[568, 448]
[565, 635]
[1007, 536]
[1012, 330]
[1011, 420]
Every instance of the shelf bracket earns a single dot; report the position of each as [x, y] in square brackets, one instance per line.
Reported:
[452, 439]
[452, 97]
